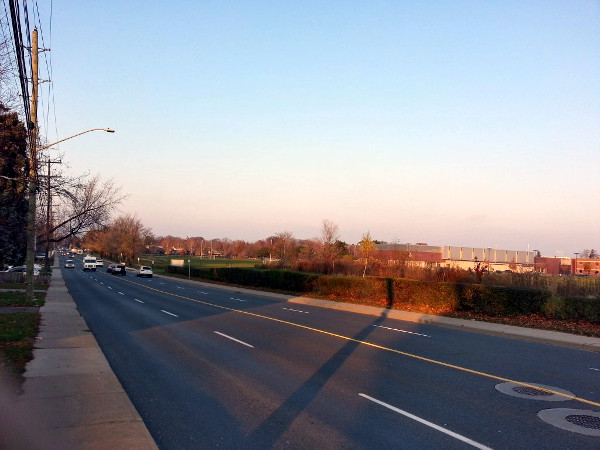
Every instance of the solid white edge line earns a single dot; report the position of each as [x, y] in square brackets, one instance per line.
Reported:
[429, 424]
[137, 300]
[234, 339]
[167, 312]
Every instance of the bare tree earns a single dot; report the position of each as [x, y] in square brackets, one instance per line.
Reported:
[330, 250]
[283, 246]
[9, 89]
[82, 206]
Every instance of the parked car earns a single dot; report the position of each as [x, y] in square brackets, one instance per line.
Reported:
[145, 271]
[69, 264]
[119, 269]
[36, 269]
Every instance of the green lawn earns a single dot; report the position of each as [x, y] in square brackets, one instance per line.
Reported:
[18, 298]
[161, 261]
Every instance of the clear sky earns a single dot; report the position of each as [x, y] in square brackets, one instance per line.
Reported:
[467, 123]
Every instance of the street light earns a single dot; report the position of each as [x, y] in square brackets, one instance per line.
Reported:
[32, 206]
[44, 147]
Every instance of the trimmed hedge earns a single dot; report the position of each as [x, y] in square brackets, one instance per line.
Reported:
[400, 293]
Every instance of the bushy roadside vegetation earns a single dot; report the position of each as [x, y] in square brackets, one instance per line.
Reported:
[530, 293]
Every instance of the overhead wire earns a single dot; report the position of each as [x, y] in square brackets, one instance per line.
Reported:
[20, 56]
[47, 99]
[9, 67]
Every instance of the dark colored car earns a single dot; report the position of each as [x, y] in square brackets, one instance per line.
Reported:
[119, 269]
[110, 268]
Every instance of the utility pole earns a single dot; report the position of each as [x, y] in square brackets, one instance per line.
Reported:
[32, 126]
[48, 215]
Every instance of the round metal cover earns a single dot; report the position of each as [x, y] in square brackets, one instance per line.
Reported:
[575, 420]
[530, 391]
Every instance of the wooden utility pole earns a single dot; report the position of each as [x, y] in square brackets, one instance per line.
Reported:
[32, 126]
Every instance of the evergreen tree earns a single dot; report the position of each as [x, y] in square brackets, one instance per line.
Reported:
[13, 188]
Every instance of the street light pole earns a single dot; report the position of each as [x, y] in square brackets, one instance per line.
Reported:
[31, 215]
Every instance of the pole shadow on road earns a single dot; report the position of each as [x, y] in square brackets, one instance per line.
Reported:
[273, 427]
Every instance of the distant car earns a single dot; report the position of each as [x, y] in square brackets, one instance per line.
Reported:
[99, 263]
[69, 264]
[110, 268]
[119, 269]
[145, 271]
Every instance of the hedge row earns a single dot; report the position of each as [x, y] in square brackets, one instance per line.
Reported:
[403, 293]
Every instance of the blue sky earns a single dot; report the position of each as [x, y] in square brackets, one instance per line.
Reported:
[472, 123]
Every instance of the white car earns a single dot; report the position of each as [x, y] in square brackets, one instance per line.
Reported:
[145, 271]
[99, 263]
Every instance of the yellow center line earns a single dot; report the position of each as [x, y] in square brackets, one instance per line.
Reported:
[377, 346]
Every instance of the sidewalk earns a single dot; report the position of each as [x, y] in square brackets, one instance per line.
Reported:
[72, 399]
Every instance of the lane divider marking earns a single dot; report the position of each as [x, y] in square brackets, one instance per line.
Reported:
[169, 313]
[429, 424]
[401, 331]
[296, 310]
[377, 346]
[234, 339]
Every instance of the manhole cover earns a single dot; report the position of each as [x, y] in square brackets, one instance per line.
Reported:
[526, 390]
[531, 391]
[575, 420]
[590, 422]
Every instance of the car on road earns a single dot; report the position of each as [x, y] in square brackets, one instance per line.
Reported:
[110, 268]
[69, 264]
[145, 271]
[99, 263]
[119, 269]
[89, 263]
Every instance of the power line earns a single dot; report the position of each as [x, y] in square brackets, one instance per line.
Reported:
[20, 56]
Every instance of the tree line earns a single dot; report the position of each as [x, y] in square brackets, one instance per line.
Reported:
[126, 239]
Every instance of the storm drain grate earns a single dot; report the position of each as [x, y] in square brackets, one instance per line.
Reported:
[535, 391]
[526, 390]
[591, 422]
[582, 421]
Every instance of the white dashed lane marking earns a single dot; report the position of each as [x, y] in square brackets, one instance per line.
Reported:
[401, 331]
[234, 339]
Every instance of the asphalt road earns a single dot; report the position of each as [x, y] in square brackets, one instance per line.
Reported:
[207, 368]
